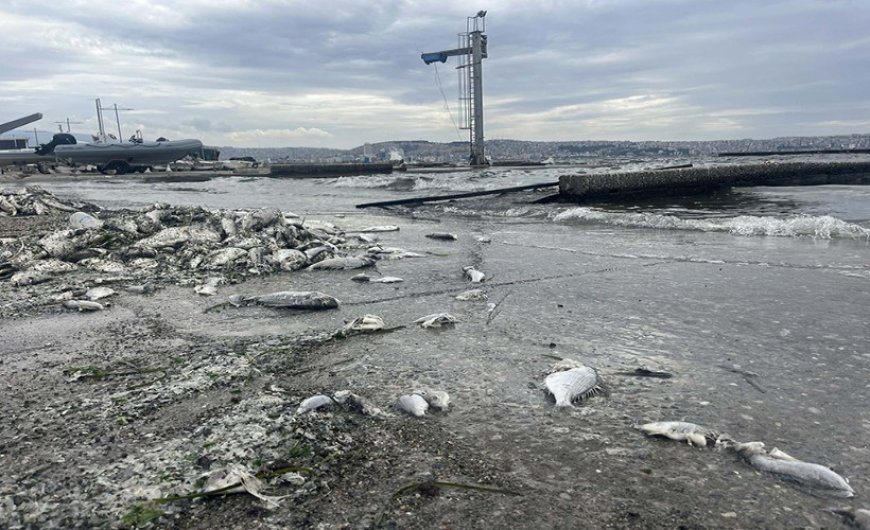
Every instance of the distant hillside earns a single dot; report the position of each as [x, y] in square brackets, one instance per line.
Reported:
[457, 152]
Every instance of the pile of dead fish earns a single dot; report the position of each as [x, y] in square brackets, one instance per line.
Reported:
[177, 242]
[33, 200]
[816, 478]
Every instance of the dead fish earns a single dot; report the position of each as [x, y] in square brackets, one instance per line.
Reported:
[97, 293]
[575, 384]
[473, 274]
[392, 253]
[314, 402]
[176, 236]
[350, 262]
[365, 278]
[386, 279]
[437, 399]
[365, 323]
[83, 220]
[383, 228]
[444, 236]
[224, 480]
[364, 238]
[358, 403]
[313, 300]
[290, 259]
[413, 404]
[681, 430]
[225, 256]
[859, 518]
[83, 305]
[436, 320]
[319, 253]
[472, 295]
[816, 477]
[209, 288]
[8, 207]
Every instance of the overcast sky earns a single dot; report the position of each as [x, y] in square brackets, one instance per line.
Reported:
[344, 72]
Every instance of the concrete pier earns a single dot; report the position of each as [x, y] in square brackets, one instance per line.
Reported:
[317, 170]
[579, 188]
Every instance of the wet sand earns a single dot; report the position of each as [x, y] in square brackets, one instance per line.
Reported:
[103, 411]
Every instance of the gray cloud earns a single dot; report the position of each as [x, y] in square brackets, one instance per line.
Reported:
[347, 72]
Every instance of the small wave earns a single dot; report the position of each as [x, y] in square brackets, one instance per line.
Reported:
[375, 181]
[824, 227]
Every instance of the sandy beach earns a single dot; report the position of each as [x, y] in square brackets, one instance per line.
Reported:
[129, 416]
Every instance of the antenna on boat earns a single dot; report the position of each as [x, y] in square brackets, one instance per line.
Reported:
[67, 122]
[102, 124]
[471, 52]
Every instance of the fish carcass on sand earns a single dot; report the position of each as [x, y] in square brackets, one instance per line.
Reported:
[573, 384]
[364, 324]
[473, 274]
[436, 320]
[681, 431]
[437, 399]
[83, 305]
[472, 295]
[314, 402]
[413, 404]
[816, 477]
[444, 236]
[313, 300]
[350, 262]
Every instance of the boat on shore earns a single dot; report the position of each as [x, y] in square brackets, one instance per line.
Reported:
[126, 157]
[120, 158]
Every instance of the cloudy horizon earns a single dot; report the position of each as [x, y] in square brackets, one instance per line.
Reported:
[289, 73]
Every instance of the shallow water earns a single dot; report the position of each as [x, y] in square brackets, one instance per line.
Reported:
[766, 281]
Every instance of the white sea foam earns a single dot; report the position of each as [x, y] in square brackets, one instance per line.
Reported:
[824, 227]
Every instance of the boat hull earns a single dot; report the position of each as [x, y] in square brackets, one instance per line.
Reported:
[146, 153]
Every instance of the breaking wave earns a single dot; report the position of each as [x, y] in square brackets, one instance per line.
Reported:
[823, 227]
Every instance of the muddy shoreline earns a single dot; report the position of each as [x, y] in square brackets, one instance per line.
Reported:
[103, 413]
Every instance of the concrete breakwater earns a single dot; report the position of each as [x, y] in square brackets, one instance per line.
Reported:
[647, 183]
[320, 170]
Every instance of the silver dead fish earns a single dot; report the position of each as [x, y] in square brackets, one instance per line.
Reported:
[444, 236]
[350, 262]
[97, 293]
[83, 305]
[209, 288]
[681, 431]
[365, 278]
[314, 402]
[413, 404]
[313, 300]
[473, 274]
[574, 384]
[437, 399]
[436, 320]
[383, 228]
[816, 477]
[365, 323]
[472, 295]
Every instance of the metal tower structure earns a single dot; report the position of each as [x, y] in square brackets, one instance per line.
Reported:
[471, 52]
